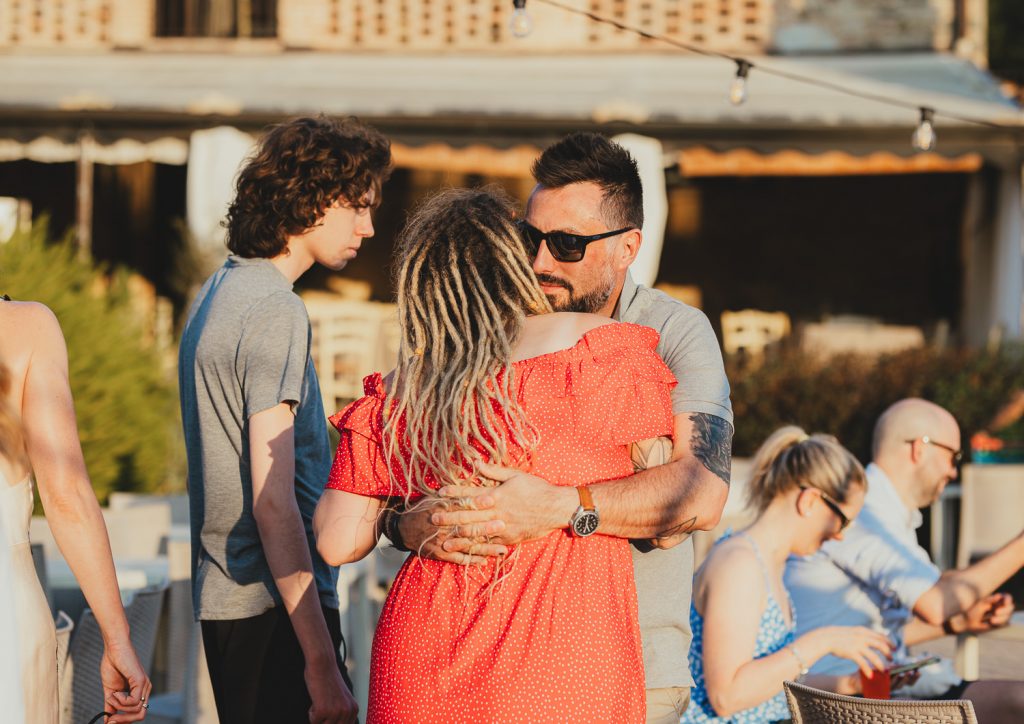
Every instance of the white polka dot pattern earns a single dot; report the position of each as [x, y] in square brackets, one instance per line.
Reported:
[558, 639]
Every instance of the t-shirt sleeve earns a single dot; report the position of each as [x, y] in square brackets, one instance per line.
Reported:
[273, 353]
[690, 349]
[359, 462]
[885, 564]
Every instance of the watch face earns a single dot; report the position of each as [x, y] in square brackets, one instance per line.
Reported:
[585, 523]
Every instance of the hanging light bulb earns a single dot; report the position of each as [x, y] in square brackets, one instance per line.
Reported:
[924, 135]
[738, 89]
[520, 24]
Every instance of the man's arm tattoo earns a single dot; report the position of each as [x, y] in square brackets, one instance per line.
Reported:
[711, 443]
[682, 529]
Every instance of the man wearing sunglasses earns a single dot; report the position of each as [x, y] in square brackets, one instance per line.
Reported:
[879, 576]
[583, 226]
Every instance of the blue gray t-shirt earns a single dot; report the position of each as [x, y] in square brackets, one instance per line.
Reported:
[245, 349]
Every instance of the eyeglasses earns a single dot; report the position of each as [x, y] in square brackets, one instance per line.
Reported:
[844, 522]
[958, 455]
[562, 245]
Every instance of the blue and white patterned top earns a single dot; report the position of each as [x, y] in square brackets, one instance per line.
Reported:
[772, 635]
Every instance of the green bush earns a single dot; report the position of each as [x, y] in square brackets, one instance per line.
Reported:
[844, 395]
[126, 406]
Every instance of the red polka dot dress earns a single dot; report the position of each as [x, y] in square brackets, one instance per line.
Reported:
[557, 640]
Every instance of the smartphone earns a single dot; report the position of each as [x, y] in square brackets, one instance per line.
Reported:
[914, 665]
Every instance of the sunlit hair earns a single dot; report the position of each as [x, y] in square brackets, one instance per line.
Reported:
[12, 446]
[465, 286]
[591, 158]
[298, 170]
[790, 458]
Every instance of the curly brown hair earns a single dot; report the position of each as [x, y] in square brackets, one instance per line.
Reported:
[299, 169]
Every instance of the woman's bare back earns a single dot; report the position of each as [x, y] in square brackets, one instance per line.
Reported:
[547, 333]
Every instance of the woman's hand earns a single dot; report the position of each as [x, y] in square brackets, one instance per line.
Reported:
[907, 678]
[868, 649]
[126, 688]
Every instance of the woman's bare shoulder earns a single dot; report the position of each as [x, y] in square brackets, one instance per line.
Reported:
[31, 314]
[728, 570]
[556, 331]
[30, 324]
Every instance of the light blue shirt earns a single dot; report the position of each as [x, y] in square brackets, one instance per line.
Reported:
[873, 578]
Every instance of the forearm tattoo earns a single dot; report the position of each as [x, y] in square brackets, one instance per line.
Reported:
[682, 529]
[711, 443]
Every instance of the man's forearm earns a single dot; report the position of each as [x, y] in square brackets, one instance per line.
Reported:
[669, 501]
[958, 590]
[918, 631]
[287, 552]
[282, 533]
[680, 497]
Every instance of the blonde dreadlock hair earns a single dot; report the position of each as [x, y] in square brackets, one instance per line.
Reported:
[465, 286]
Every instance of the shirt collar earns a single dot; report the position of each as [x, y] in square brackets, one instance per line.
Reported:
[880, 488]
[626, 296]
[261, 262]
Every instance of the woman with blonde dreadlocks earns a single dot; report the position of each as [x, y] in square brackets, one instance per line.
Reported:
[488, 373]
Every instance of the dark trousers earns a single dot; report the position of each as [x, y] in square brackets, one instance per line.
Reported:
[256, 667]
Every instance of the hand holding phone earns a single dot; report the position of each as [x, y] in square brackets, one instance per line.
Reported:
[914, 665]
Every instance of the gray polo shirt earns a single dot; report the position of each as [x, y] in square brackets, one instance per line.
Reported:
[245, 349]
[664, 579]
[873, 578]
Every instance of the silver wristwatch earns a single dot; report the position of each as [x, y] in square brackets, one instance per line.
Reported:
[585, 520]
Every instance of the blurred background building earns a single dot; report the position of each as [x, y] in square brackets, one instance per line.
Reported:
[803, 215]
[127, 119]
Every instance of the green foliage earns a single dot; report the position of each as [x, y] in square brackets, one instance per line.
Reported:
[844, 395]
[126, 406]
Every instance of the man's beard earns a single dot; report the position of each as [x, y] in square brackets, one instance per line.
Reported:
[590, 303]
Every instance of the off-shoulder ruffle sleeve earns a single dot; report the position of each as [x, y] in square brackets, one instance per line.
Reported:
[622, 382]
[359, 463]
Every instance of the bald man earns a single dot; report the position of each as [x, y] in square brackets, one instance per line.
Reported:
[879, 576]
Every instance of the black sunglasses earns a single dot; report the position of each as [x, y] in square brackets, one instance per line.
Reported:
[562, 245]
[828, 500]
[958, 455]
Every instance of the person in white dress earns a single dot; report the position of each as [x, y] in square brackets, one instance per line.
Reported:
[39, 431]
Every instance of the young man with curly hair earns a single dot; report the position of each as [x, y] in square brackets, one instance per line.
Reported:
[255, 430]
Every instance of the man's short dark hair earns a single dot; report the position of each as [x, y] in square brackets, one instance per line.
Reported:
[298, 170]
[590, 157]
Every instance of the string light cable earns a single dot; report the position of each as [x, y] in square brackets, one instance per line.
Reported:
[923, 137]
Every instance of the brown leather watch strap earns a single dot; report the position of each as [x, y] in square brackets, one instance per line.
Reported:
[586, 499]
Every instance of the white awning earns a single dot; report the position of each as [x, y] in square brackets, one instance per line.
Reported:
[48, 149]
[637, 87]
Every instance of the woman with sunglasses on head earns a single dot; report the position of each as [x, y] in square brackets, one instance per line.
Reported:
[487, 373]
[805, 490]
[39, 435]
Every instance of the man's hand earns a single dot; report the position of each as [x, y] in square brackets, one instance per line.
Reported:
[990, 612]
[528, 507]
[466, 543]
[333, 703]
